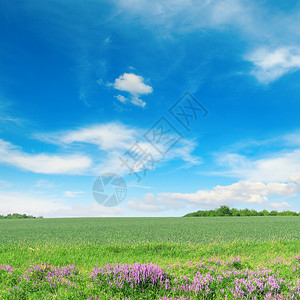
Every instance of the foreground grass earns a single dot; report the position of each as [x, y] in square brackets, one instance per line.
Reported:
[87, 255]
[265, 270]
[176, 246]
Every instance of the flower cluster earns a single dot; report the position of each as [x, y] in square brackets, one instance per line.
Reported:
[206, 279]
[141, 276]
[6, 268]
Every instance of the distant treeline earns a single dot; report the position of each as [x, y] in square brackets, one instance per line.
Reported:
[225, 211]
[18, 216]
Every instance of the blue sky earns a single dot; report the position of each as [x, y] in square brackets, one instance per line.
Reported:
[81, 83]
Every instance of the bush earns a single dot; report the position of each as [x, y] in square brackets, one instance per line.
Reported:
[225, 211]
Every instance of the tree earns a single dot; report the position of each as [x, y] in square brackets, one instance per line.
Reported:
[224, 210]
[234, 212]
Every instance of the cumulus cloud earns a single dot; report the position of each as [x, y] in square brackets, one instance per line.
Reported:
[132, 84]
[242, 192]
[271, 64]
[135, 86]
[43, 163]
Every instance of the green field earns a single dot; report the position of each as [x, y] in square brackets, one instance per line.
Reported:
[139, 230]
[166, 242]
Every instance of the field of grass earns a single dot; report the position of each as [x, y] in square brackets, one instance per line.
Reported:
[137, 230]
[176, 245]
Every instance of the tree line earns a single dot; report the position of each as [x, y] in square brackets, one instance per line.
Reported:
[225, 211]
[18, 216]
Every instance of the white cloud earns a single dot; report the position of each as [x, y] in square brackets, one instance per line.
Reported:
[112, 163]
[148, 204]
[295, 179]
[115, 139]
[256, 22]
[129, 185]
[72, 194]
[135, 86]
[9, 119]
[43, 183]
[90, 210]
[277, 167]
[106, 136]
[292, 139]
[43, 163]
[227, 11]
[270, 64]
[280, 205]
[184, 152]
[5, 184]
[170, 16]
[137, 101]
[32, 204]
[242, 192]
[121, 98]
[132, 84]
[151, 203]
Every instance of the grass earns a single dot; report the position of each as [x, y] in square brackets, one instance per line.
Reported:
[86, 255]
[86, 241]
[103, 231]
[166, 242]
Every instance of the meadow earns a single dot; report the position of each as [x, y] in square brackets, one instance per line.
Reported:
[150, 258]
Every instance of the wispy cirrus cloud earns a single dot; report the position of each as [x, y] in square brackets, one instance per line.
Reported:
[112, 140]
[73, 194]
[279, 167]
[113, 135]
[253, 160]
[207, 13]
[45, 184]
[43, 163]
[255, 22]
[10, 119]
